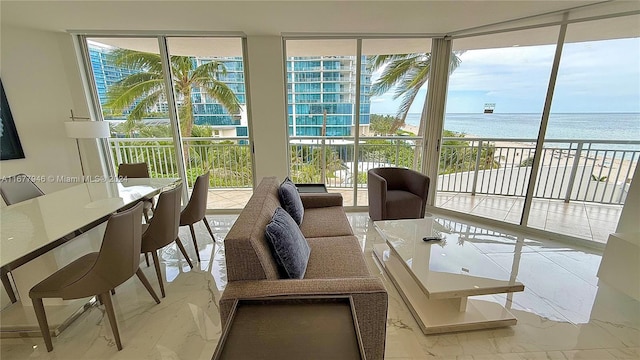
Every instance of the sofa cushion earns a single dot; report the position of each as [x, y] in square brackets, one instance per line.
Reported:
[325, 221]
[290, 248]
[290, 200]
[336, 257]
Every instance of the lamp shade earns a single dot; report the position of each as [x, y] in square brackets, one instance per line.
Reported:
[87, 129]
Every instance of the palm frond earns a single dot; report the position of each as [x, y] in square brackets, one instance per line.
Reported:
[210, 70]
[137, 60]
[393, 73]
[122, 97]
[221, 92]
[182, 67]
[141, 109]
[407, 99]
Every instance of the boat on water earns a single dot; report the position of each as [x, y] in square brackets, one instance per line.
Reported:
[489, 107]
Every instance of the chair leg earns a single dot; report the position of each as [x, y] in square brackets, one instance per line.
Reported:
[184, 252]
[156, 263]
[108, 306]
[147, 285]
[7, 286]
[206, 223]
[195, 244]
[146, 258]
[38, 307]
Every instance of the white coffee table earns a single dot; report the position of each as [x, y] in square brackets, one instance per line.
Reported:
[436, 278]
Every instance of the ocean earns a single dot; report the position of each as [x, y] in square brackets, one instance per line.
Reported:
[599, 126]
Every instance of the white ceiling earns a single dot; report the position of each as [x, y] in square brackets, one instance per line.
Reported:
[346, 17]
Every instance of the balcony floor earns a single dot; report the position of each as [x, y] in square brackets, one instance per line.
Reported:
[590, 221]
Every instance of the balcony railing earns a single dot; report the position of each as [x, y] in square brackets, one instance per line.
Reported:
[571, 170]
[580, 170]
[228, 158]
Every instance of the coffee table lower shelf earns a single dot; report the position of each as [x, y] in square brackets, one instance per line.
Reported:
[435, 316]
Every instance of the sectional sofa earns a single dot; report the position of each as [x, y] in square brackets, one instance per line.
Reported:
[336, 265]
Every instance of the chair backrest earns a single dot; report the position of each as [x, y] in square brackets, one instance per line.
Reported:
[119, 256]
[404, 179]
[133, 170]
[163, 228]
[197, 206]
[18, 188]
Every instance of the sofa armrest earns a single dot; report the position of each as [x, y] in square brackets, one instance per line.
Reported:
[369, 298]
[317, 200]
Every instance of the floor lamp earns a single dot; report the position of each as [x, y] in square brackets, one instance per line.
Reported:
[85, 130]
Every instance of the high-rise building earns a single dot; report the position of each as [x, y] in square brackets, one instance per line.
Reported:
[321, 92]
[106, 73]
[206, 110]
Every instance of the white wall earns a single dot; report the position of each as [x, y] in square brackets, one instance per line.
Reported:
[42, 82]
[267, 106]
[630, 217]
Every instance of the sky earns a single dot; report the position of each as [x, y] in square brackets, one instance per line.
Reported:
[595, 76]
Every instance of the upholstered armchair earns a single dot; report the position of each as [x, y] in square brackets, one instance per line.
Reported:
[396, 193]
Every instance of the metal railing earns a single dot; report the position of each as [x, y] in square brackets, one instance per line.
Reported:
[331, 160]
[580, 170]
[571, 170]
[228, 158]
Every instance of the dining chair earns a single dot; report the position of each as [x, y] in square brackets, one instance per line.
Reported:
[18, 188]
[162, 230]
[196, 209]
[137, 171]
[97, 273]
[15, 189]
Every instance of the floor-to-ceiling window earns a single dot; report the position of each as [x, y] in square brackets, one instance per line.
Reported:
[206, 108]
[346, 114]
[209, 82]
[518, 106]
[321, 111]
[395, 98]
[495, 100]
[592, 141]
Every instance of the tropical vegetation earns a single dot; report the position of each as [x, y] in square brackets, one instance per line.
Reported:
[139, 93]
[405, 74]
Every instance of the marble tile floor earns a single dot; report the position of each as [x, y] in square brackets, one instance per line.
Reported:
[562, 314]
[589, 221]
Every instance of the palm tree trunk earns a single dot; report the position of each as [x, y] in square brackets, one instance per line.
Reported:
[186, 122]
[419, 155]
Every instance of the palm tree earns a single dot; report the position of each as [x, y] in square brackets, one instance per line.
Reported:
[406, 73]
[145, 88]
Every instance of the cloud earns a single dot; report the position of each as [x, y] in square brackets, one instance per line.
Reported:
[594, 76]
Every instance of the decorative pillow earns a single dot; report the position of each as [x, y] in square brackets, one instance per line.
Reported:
[290, 200]
[290, 249]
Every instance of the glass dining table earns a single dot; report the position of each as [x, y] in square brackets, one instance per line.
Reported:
[43, 234]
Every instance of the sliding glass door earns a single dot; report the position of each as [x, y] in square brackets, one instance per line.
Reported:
[592, 143]
[344, 117]
[205, 108]
[208, 78]
[130, 85]
[495, 101]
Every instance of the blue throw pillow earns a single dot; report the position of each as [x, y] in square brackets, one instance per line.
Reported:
[290, 249]
[290, 200]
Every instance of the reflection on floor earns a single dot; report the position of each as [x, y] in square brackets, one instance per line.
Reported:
[590, 221]
[562, 314]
